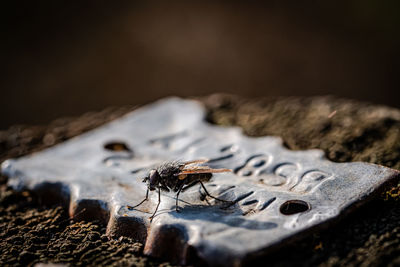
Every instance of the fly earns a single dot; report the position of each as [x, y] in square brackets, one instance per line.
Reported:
[178, 176]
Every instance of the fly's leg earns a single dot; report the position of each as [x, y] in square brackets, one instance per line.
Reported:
[208, 194]
[203, 196]
[177, 197]
[147, 197]
[158, 204]
[189, 185]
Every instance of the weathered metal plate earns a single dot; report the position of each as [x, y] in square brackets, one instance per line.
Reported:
[99, 173]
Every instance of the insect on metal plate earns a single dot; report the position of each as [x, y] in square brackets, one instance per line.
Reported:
[179, 176]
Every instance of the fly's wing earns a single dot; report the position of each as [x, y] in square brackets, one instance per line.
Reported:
[197, 161]
[185, 164]
[201, 169]
[188, 168]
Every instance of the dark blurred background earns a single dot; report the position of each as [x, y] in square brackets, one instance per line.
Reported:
[62, 58]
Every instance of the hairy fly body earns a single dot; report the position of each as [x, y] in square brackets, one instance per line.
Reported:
[178, 176]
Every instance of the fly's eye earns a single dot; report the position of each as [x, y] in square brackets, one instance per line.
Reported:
[153, 177]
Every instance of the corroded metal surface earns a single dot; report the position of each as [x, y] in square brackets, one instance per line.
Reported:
[279, 193]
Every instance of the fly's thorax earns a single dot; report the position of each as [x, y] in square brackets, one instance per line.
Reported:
[169, 169]
[172, 181]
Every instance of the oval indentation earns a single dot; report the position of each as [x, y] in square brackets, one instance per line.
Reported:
[291, 207]
[245, 173]
[249, 202]
[285, 169]
[254, 157]
[267, 203]
[241, 197]
[315, 175]
[226, 189]
[114, 160]
[226, 148]
[137, 170]
[220, 158]
[117, 146]
[259, 163]
[271, 180]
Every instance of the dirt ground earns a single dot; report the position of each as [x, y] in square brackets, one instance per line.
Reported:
[31, 233]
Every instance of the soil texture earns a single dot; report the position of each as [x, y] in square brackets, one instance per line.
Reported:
[346, 130]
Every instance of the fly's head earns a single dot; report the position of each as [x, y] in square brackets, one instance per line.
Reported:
[152, 180]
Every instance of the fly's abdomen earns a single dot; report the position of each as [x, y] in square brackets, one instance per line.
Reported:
[205, 177]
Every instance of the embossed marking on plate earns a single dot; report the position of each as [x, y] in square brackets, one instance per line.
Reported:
[279, 193]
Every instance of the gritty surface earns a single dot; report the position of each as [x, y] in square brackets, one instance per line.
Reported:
[345, 130]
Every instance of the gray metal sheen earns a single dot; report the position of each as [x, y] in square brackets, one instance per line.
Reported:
[102, 182]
